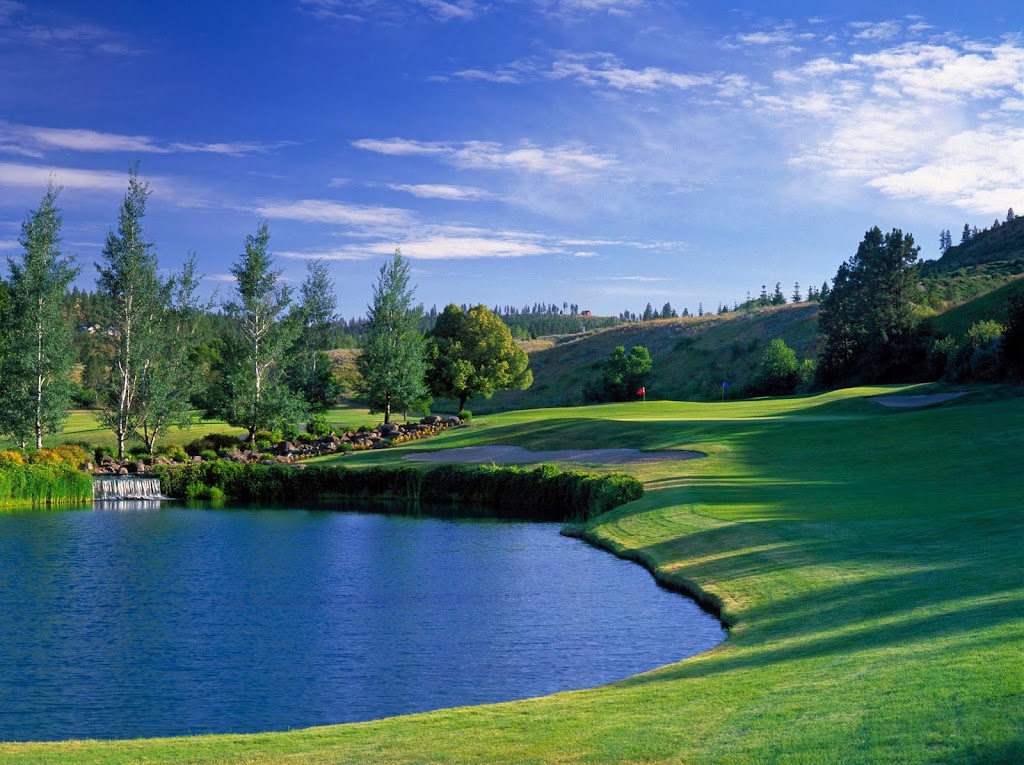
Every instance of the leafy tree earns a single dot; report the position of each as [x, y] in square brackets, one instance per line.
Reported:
[170, 378]
[317, 306]
[136, 296]
[254, 394]
[472, 353]
[1012, 349]
[778, 372]
[623, 375]
[36, 391]
[867, 321]
[392, 364]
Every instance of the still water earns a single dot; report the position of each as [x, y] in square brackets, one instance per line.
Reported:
[138, 621]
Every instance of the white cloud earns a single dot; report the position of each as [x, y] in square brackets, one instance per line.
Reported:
[338, 213]
[337, 183]
[570, 10]
[602, 69]
[29, 140]
[400, 147]
[9, 244]
[440, 191]
[565, 161]
[37, 176]
[875, 31]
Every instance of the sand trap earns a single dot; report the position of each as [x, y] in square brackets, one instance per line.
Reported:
[517, 455]
[907, 402]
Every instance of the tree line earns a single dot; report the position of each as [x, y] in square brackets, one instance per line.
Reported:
[260, 363]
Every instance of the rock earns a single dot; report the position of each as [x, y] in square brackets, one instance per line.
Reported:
[434, 419]
[122, 470]
[196, 460]
[453, 420]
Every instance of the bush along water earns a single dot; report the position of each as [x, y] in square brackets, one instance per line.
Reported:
[48, 477]
[542, 493]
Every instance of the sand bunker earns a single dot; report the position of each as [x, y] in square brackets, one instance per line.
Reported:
[517, 455]
[907, 402]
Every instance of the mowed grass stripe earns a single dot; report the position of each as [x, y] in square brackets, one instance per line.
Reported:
[871, 567]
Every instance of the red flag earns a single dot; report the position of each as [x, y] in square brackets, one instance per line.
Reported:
[641, 392]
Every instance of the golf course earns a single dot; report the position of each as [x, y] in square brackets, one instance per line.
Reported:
[866, 559]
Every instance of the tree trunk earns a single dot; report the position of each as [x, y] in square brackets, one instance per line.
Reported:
[387, 412]
[463, 398]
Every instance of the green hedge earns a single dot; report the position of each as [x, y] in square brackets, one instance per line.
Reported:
[33, 485]
[544, 492]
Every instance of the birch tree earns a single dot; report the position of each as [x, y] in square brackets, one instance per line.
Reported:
[35, 371]
[254, 395]
[136, 296]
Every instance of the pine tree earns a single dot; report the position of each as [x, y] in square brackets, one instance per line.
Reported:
[1010, 216]
[777, 297]
[797, 297]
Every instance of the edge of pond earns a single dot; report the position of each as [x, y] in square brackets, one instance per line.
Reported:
[710, 603]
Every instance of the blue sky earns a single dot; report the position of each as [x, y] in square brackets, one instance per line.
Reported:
[602, 152]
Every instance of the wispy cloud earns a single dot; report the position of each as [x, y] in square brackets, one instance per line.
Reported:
[33, 141]
[20, 26]
[36, 176]
[876, 30]
[441, 191]
[566, 161]
[337, 213]
[388, 11]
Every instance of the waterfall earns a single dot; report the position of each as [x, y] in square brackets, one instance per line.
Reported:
[108, 488]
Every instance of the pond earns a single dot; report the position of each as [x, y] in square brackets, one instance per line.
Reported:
[145, 621]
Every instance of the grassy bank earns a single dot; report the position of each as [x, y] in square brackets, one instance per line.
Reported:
[869, 562]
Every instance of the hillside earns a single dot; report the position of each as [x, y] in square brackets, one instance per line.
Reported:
[692, 356]
[985, 263]
[990, 305]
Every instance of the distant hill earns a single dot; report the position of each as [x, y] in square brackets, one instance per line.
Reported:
[982, 264]
[1004, 243]
[692, 356]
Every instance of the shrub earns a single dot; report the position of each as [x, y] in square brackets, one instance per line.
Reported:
[11, 459]
[212, 441]
[318, 426]
[465, 415]
[208, 454]
[542, 493]
[172, 452]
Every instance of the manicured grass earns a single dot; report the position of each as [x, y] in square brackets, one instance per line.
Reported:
[869, 561]
[81, 425]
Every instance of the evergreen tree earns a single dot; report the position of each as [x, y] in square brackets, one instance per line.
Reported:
[867, 321]
[965, 237]
[254, 394]
[1010, 216]
[777, 297]
[763, 300]
[317, 306]
[392, 364]
[824, 292]
[35, 370]
[668, 312]
[649, 313]
[797, 297]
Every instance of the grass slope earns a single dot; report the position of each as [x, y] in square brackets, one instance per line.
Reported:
[691, 356]
[992, 305]
[869, 561]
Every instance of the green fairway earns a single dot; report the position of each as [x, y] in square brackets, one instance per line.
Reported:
[869, 563]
